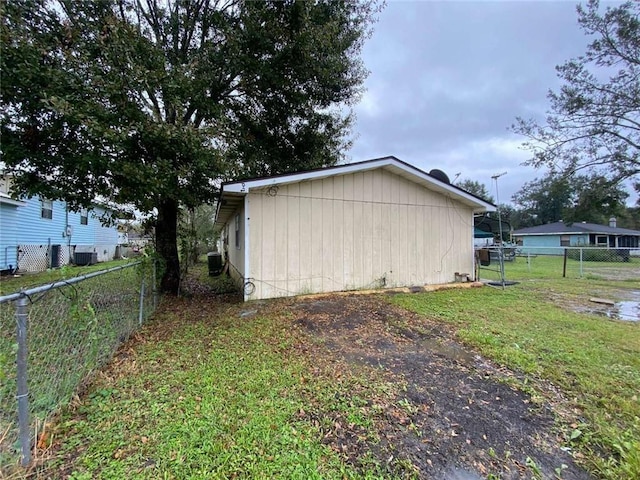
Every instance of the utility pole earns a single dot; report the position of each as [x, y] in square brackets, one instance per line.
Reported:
[495, 177]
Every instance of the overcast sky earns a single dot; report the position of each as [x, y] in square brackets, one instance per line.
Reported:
[448, 78]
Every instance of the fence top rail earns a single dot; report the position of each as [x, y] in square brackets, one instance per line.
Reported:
[62, 283]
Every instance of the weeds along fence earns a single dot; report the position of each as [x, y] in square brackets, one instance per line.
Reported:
[53, 337]
[558, 262]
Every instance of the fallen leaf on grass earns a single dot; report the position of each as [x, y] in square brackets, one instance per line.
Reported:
[43, 441]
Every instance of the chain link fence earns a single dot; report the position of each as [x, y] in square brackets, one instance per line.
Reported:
[522, 263]
[53, 337]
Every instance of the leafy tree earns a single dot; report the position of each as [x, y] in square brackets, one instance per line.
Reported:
[589, 198]
[630, 218]
[151, 103]
[544, 199]
[196, 233]
[508, 214]
[595, 199]
[594, 122]
[476, 188]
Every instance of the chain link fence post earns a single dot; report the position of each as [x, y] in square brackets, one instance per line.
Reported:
[22, 317]
[581, 272]
[53, 337]
[154, 281]
[141, 308]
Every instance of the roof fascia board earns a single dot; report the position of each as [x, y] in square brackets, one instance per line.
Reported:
[11, 201]
[243, 187]
[578, 232]
[550, 233]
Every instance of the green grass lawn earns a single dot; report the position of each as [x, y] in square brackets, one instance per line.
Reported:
[594, 361]
[72, 331]
[12, 284]
[211, 397]
[551, 267]
[204, 393]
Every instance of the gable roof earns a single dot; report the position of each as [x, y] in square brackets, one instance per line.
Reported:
[559, 228]
[232, 193]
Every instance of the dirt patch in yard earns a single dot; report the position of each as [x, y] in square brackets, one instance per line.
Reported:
[613, 273]
[456, 415]
[450, 415]
[619, 304]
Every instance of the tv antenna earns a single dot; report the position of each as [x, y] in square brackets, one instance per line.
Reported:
[496, 177]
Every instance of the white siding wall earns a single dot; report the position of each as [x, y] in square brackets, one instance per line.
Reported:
[236, 255]
[357, 231]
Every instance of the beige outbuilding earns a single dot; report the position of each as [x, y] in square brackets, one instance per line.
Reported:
[373, 224]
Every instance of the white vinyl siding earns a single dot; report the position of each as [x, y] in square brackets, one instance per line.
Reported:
[235, 246]
[356, 231]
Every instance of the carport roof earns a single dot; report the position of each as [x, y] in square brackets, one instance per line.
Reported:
[232, 193]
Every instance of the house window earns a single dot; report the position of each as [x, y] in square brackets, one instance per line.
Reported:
[238, 231]
[565, 240]
[46, 210]
[601, 240]
[84, 217]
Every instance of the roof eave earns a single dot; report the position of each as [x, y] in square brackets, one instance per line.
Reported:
[515, 234]
[243, 187]
[10, 201]
[228, 203]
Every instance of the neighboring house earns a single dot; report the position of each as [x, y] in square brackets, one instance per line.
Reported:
[543, 238]
[8, 227]
[36, 233]
[378, 223]
[138, 241]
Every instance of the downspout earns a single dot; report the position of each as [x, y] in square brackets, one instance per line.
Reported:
[473, 247]
[67, 230]
[247, 271]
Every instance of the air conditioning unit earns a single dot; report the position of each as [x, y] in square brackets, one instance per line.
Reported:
[85, 258]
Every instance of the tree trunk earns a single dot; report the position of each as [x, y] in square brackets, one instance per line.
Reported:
[167, 243]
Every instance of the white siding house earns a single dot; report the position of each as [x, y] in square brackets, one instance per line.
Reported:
[379, 223]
